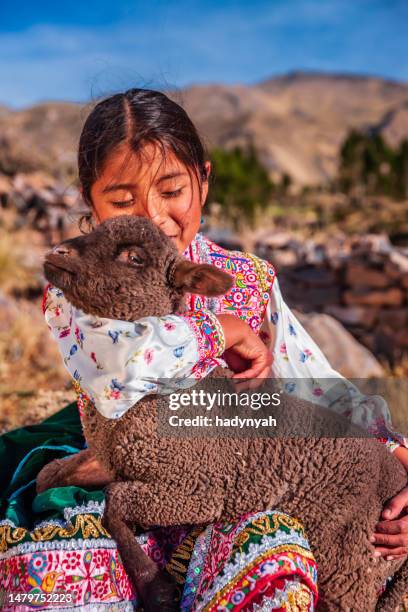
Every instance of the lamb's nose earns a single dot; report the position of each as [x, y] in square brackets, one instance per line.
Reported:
[61, 249]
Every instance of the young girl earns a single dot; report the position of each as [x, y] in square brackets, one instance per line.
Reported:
[140, 154]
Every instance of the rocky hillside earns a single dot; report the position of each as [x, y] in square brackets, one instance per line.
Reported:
[296, 122]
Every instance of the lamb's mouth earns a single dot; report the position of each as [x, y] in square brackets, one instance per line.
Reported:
[57, 274]
[55, 262]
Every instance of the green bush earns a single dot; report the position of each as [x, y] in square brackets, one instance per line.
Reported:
[368, 162]
[240, 184]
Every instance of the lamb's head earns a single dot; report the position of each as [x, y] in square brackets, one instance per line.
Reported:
[128, 268]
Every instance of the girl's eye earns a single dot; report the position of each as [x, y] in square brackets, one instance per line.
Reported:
[172, 194]
[123, 203]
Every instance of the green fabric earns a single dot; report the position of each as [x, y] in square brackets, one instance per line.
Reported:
[23, 452]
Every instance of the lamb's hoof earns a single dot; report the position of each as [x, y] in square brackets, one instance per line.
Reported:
[160, 595]
[51, 476]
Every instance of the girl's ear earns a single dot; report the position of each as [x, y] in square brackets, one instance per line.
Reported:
[200, 279]
[205, 183]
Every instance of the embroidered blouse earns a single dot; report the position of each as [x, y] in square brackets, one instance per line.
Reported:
[116, 362]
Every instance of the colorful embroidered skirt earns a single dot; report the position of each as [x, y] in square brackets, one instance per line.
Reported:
[53, 545]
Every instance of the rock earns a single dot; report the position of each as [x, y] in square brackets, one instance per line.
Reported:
[388, 297]
[8, 312]
[33, 180]
[283, 259]
[275, 240]
[401, 338]
[397, 267]
[372, 243]
[384, 344]
[395, 318]
[365, 316]
[312, 276]
[358, 274]
[344, 353]
[315, 297]
[5, 184]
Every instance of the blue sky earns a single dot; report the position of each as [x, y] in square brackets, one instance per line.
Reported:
[52, 50]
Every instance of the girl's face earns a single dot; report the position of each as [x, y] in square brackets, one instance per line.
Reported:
[147, 185]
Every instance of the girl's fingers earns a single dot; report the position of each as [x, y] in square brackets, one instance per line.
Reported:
[393, 527]
[385, 551]
[394, 507]
[243, 386]
[383, 539]
[254, 371]
[250, 382]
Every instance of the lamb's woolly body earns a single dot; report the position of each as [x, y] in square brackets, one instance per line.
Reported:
[337, 487]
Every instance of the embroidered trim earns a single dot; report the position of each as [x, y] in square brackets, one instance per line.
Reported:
[266, 277]
[88, 524]
[232, 582]
[208, 332]
[78, 544]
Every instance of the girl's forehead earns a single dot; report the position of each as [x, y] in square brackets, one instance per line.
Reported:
[149, 163]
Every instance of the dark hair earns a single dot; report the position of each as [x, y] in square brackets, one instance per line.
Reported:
[136, 117]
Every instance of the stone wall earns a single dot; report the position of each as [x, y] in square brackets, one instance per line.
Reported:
[361, 281]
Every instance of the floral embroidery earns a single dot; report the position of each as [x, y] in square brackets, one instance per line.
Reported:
[114, 390]
[208, 333]
[253, 278]
[79, 337]
[169, 326]
[304, 355]
[148, 355]
[114, 335]
[274, 317]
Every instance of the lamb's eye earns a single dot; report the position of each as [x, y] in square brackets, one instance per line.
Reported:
[134, 258]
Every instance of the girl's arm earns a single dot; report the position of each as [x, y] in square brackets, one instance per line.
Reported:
[401, 452]
[306, 371]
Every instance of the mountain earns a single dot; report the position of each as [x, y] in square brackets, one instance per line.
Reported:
[296, 122]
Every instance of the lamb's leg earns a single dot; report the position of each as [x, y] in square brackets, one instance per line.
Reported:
[81, 470]
[155, 587]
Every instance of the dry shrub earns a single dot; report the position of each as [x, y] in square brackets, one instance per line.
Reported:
[29, 362]
[20, 257]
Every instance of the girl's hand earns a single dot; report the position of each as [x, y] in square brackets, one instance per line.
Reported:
[245, 352]
[391, 534]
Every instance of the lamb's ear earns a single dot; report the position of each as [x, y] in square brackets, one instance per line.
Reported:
[200, 279]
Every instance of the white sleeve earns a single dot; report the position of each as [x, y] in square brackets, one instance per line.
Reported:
[306, 372]
[118, 362]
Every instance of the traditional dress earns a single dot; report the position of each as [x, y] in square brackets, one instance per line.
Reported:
[54, 542]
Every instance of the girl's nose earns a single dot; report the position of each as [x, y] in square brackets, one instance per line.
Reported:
[156, 212]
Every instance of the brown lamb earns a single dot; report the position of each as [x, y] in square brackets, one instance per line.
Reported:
[337, 486]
